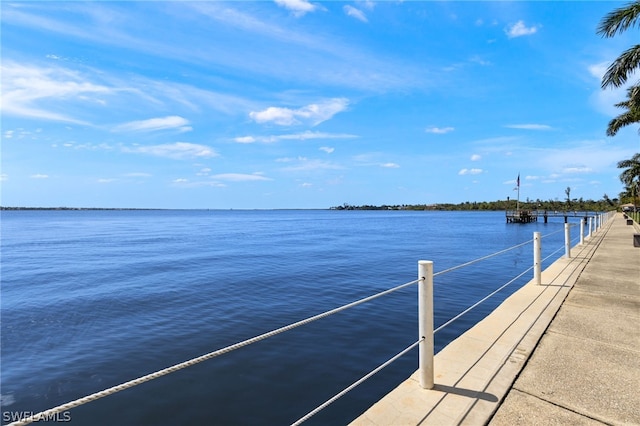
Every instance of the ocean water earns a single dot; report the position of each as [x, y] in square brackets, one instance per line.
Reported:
[92, 299]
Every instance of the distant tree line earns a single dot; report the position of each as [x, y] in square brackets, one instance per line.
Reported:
[576, 204]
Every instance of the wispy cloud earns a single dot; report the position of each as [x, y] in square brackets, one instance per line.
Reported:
[186, 183]
[42, 92]
[298, 7]
[81, 96]
[295, 136]
[390, 165]
[239, 177]
[154, 124]
[305, 164]
[327, 149]
[470, 171]
[176, 151]
[439, 130]
[355, 13]
[604, 101]
[313, 114]
[574, 170]
[476, 157]
[529, 126]
[519, 29]
[39, 176]
[480, 61]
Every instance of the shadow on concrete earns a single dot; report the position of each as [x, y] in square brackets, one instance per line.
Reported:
[470, 393]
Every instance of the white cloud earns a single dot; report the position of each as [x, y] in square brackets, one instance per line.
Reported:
[478, 60]
[598, 70]
[470, 172]
[298, 7]
[289, 159]
[581, 169]
[476, 157]
[390, 165]
[529, 126]
[105, 180]
[327, 149]
[39, 176]
[582, 158]
[27, 88]
[177, 150]
[604, 101]
[240, 177]
[4, 177]
[313, 114]
[519, 29]
[439, 130]
[153, 124]
[355, 13]
[305, 164]
[295, 136]
[245, 139]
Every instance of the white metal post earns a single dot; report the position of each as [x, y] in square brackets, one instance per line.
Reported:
[581, 231]
[537, 256]
[425, 323]
[590, 226]
[567, 241]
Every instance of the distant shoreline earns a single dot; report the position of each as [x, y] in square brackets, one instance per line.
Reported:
[128, 209]
[77, 208]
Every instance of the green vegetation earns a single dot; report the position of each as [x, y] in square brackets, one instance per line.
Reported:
[579, 204]
[630, 177]
[635, 216]
[624, 66]
[617, 75]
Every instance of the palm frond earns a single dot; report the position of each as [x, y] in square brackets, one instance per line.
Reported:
[624, 119]
[620, 20]
[620, 70]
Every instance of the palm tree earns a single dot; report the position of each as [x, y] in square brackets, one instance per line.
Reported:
[619, 71]
[632, 115]
[631, 175]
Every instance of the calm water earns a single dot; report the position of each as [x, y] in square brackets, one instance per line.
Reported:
[91, 299]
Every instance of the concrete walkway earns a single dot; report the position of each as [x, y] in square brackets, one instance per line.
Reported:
[584, 370]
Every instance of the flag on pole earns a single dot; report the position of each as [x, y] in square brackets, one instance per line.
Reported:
[518, 180]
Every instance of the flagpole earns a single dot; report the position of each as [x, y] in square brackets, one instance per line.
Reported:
[518, 202]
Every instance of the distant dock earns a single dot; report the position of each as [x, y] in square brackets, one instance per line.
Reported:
[528, 216]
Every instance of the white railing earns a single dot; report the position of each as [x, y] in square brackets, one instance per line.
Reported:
[426, 331]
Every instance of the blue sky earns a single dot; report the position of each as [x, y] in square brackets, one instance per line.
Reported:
[303, 104]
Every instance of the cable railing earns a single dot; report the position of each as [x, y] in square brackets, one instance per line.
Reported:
[425, 324]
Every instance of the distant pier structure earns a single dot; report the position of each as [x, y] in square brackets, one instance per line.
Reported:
[522, 216]
[528, 216]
